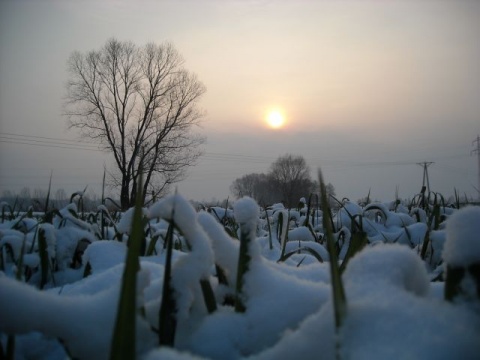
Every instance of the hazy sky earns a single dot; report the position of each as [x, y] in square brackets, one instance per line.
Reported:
[369, 89]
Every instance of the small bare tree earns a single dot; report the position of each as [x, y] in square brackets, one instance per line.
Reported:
[140, 104]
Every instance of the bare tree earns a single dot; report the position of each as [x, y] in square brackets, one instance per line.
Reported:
[246, 185]
[140, 104]
[291, 177]
[61, 198]
[331, 192]
[257, 186]
[39, 198]
[288, 181]
[24, 198]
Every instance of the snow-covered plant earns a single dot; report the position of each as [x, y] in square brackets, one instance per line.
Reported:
[4, 205]
[105, 218]
[167, 322]
[124, 341]
[269, 228]
[339, 299]
[246, 214]
[226, 218]
[282, 230]
[79, 195]
[462, 257]
[46, 251]
[184, 298]
[190, 286]
[350, 219]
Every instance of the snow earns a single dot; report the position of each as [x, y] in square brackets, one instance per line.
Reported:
[462, 245]
[83, 322]
[221, 213]
[224, 247]
[69, 219]
[300, 233]
[170, 354]
[393, 301]
[391, 218]
[50, 238]
[300, 245]
[437, 239]
[197, 264]
[103, 255]
[67, 242]
[246, 210]
[393, 310]
[384, 267]
[272, 307]
[14, 238]
[125, 224]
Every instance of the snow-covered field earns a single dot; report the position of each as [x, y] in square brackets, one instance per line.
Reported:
[61, 283]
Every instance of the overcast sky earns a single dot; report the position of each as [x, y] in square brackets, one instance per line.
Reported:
[368, 88]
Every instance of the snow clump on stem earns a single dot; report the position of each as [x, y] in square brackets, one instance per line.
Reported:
[462, 247]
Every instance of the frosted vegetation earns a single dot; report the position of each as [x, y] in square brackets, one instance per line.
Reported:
[372, 281]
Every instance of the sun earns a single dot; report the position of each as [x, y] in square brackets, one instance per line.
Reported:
[275, 119]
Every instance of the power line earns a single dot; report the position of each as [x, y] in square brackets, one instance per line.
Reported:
[67, 144]
[48, 138]
[72, 144]
[53, 142]
[48, 145]
[47, 142]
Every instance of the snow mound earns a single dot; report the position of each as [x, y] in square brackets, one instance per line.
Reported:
[462, 246]
[83, 322]
[385, 266]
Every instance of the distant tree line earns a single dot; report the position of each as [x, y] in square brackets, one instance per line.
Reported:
[37, 198]
[287, 181]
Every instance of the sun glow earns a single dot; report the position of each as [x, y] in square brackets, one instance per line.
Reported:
[275, 119]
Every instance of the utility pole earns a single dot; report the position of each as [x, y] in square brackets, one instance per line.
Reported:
[477, 151]
[425, 166]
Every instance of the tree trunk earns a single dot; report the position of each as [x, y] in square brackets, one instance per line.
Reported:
[124, 196]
